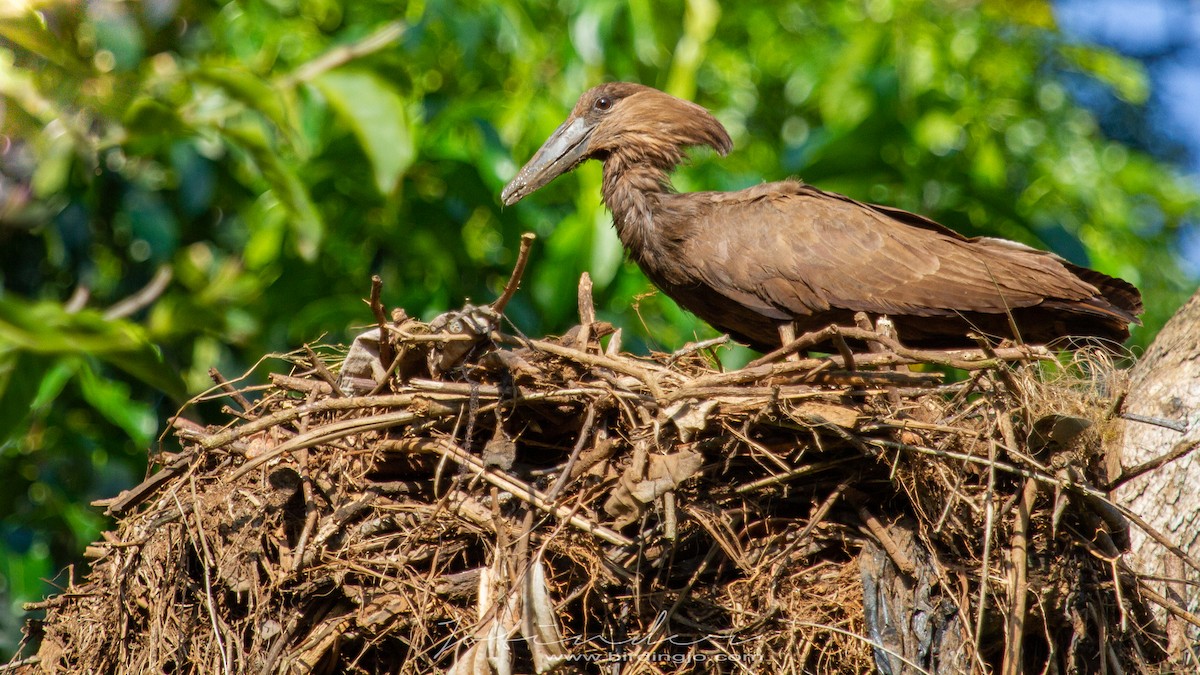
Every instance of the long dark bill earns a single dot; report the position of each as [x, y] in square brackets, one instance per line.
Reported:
[563, 151]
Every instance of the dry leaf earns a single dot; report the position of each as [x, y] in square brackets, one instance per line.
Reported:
[471, 321]
[500, 451]
[362, 368]
[690, 417]
[817, 411]
[1055, 432]
[518, 366]
[539, 625]
[663, 473]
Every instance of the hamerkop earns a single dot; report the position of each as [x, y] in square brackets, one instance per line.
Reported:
[781, 258]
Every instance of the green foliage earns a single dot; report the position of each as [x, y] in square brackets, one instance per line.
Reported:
[274, 154]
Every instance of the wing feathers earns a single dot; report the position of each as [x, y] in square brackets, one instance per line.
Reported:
[790, 249]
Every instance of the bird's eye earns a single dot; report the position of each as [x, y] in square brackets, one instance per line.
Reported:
[603, 103]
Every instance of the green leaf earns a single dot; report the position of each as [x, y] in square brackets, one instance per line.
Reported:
[377, 115]
[1037, 13]
[57, 155]
[988, 166]
[84, 521]
[938, 132]
[45, 328]
[268, 229]
[111, 398]
[699, 22]
[308, 228]
[28, 31]
[254, 92]
[151, 117]
[26, 570]
[52, 383]
[20, 374]
[1126, 76]
[846, 100]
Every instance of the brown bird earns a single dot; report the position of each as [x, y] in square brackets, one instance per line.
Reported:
[785, 257]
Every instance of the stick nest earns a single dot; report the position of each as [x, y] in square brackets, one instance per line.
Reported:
[498, 502]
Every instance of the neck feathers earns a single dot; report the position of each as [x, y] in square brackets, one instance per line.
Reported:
[631, 191]
[645, 144]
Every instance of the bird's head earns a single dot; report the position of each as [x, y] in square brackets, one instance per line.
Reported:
[637, 122]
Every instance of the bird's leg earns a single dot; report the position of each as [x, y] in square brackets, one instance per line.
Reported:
[885, 327]
[864, 322]
[787, 334]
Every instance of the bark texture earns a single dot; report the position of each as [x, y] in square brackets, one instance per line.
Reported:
[1165, 385]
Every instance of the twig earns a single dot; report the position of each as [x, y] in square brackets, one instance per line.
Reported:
[587, 311]
[797, 472]
[14, 666]
[300, 384]
[1181, 427]
[376, 304]
[989, 517]
[693, 347]
[1155, 534]
[340, 56]
[386, 357]
[405, 336]
[323, 372]
[874, 645]
[332, 432]
[235, 412]
[1177, 638]
[516, 488]
[310, 508]
[1003, 373]
[584, 432]
[656, 635]
[1014, 630]
[623, 366]
[963, 359]
[884, 327]
[1085, 490]
[1178, 451]
[1145, 589]
[78, 300]
[877, 528]
[280, 642]
[803, 342]
[216, 376]
[288, 414]
[514, 280]
[1116, 577]
[143, 297]
[863, 378]
[844, 350]
[814, 519]
[207, 562]
[127, 500]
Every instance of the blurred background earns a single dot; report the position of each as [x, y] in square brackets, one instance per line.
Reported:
[187, 184]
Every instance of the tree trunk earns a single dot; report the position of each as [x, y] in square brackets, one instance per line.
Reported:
[1164, 392]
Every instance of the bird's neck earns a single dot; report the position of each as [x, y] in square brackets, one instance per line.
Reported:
[631, 190]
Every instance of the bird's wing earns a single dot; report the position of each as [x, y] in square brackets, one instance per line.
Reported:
[795, 249]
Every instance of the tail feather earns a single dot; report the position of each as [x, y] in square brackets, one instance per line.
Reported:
[1118, 297]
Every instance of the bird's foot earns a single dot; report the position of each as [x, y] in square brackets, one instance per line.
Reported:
[787, 335]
